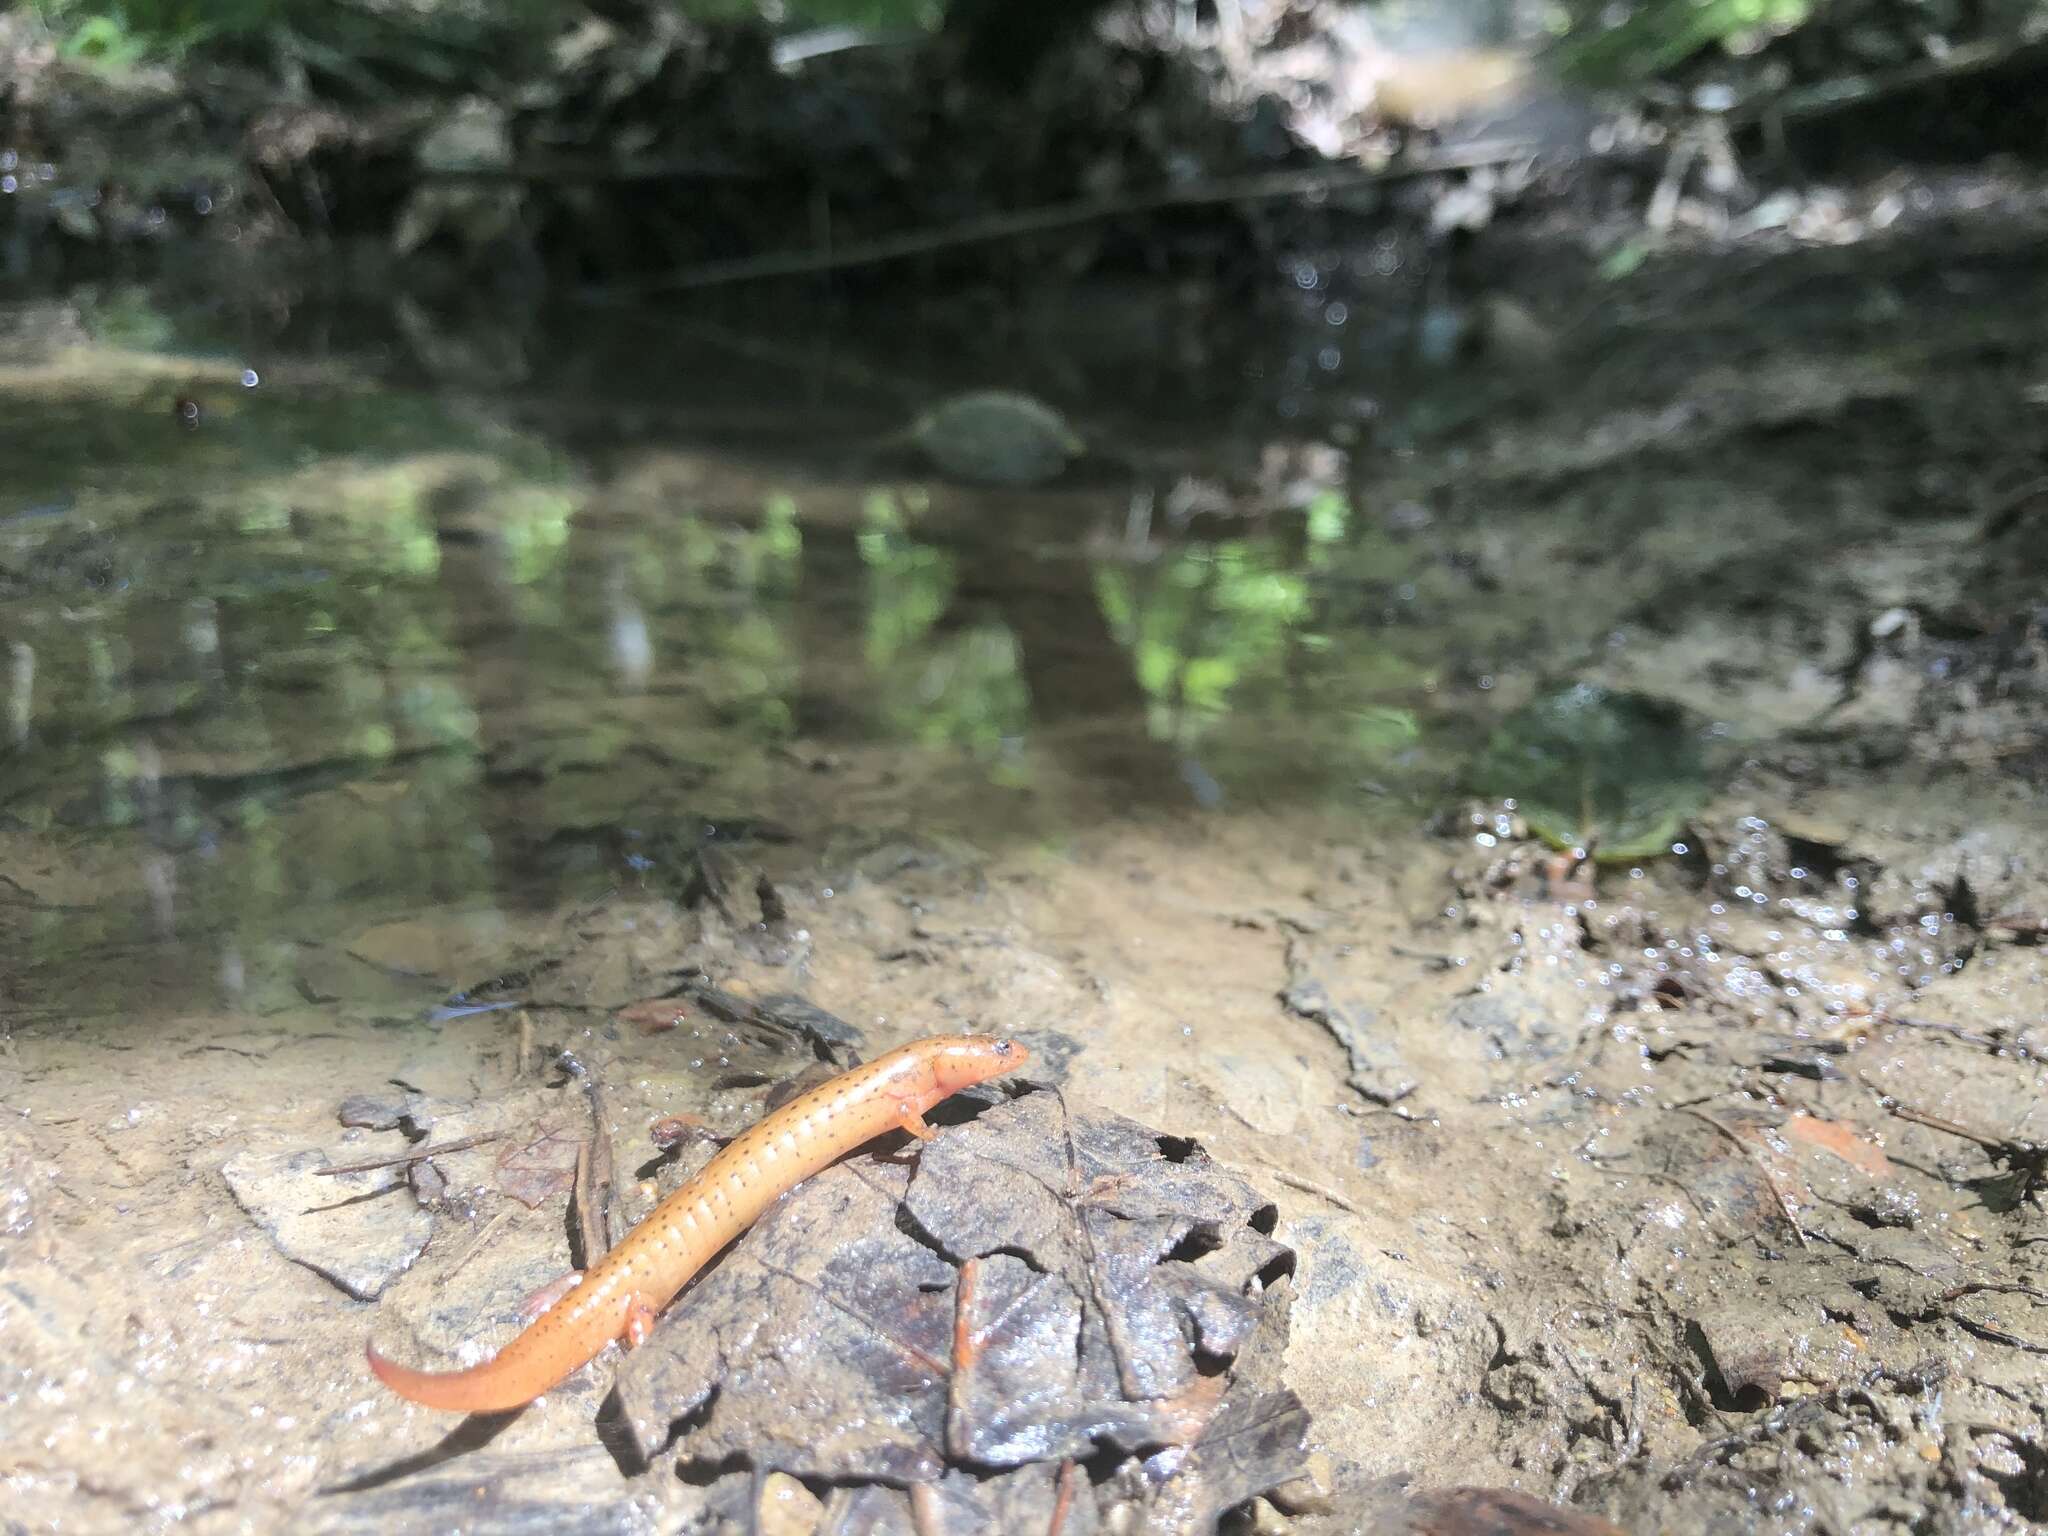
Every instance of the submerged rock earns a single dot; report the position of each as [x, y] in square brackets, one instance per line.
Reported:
[996, 437]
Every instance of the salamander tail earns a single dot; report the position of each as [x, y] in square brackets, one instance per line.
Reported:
[480, 1389]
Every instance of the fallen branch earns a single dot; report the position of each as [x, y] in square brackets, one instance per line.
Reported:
[1986, 1331]
[1266, 186]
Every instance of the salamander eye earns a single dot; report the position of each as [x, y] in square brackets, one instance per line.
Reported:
[1004, 1047]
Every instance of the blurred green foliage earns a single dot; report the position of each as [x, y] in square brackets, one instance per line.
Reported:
[1204, 621]
[453, 42]
[1605, 47]
[880, 15]
[1598, 43]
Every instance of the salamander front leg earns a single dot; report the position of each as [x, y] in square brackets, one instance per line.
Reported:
[638, 1323]
[907, 1118]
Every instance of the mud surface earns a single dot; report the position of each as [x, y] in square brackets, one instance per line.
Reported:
[399, 769]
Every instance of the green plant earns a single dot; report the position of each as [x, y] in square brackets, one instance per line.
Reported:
[1660, 34]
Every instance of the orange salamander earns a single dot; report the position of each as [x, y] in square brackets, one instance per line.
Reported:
[621, 1294]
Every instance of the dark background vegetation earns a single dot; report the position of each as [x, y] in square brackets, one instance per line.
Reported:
[656, 142]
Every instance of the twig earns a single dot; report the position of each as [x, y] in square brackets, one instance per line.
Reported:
[522, 1060]
[1934, 1026]
[1999, 516]
[1063, 1499]
[1756, 1157]
[1937, 1123]
[1999, 1287]
[590, 1240]
[417, 1155]
[1262, 187]
[965, 1346]
[925, 1516]
[2028, 1160]
[592, 1187]
[35, 902]
[1984, 1330]
[1894, 1105]
[1310, 1187]
[2021, 925]
[1855, 90]
[476, 1246]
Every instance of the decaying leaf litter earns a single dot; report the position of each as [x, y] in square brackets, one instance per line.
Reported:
[1670, 1194]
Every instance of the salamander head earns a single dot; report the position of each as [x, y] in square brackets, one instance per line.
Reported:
[961, 1061]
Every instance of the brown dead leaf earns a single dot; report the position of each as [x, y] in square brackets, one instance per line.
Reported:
[654, 1015]
[1851, 1145]
[541, 1168]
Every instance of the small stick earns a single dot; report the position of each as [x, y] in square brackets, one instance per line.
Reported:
[924, 1511]
[965, 1349]
[2028, 1160]
[591, 1187]
[522, 1060]
[1770, 1179]
[1936, 1123]
[2002, 1287]
[1262, 186]
[476, 1247]
[590, 1238]
[1904, 1111]
[1309, 1187]
[1954, 1031]
[1984, 1330]
[2018, 923]
[418, 1155]
[1063, 1500]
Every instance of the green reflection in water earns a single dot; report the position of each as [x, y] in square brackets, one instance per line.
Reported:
[967, 691]
[1249, 642]
[1328, 519]
[1199, 624]
[964, 689]
[535, 532]
[909, 584]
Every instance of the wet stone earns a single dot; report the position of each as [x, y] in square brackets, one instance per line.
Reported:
[378, 1111]
[1510, 1025]
[360, 1230]
[1052, 1052]
[1313, 992]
